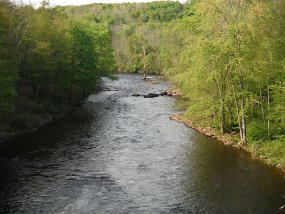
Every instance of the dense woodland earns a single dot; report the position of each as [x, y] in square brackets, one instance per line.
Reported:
[227, 57]
[47, 62]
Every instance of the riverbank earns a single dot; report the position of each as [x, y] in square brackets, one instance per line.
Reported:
[271, 153]
[39, 114]
[31, 116]
[41, 121]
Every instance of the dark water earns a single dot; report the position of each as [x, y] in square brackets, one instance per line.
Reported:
[121, 154]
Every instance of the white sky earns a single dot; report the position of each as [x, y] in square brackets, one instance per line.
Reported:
[81, 2]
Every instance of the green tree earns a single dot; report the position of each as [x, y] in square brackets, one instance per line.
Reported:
[8, 69]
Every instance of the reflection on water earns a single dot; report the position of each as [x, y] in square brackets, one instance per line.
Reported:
[121, 154]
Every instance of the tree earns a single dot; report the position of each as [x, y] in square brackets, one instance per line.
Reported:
[8, 69]
[91, 55]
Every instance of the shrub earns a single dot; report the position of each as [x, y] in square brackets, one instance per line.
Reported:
[257, 131]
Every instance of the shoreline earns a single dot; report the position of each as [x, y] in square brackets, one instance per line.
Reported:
[48, 119]
[226, 140]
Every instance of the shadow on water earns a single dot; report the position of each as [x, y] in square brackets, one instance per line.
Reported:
[121, 154]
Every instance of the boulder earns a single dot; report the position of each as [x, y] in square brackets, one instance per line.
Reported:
[136, 95]
[151, 95]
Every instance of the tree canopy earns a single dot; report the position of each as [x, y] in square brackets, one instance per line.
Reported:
[227, 57]
[48, 61]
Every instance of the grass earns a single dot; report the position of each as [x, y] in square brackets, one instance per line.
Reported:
[271, 151]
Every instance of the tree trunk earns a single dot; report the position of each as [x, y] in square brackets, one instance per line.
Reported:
[240, 117]
[221, 88]
[144, 63]
[243, 121]
[238, 112]
[262, 107]
[242, 108]
[222, 127]
[242, 101]
[222, 111]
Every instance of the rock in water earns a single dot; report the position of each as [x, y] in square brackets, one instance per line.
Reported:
[151, 95]
[136, 95]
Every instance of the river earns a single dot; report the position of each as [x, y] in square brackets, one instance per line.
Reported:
[121, 154]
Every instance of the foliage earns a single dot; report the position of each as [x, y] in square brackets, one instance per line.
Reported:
[231, 65]
[47, 59]
[8, 70]
[272, 151]
[136, 30]
[226, 56]
[257, 131]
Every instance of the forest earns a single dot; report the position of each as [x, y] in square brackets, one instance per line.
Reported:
[226, 57]
[48, 63]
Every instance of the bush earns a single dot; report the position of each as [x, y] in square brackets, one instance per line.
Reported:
[257, 131]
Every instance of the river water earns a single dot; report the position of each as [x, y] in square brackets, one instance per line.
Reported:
[121, 154]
